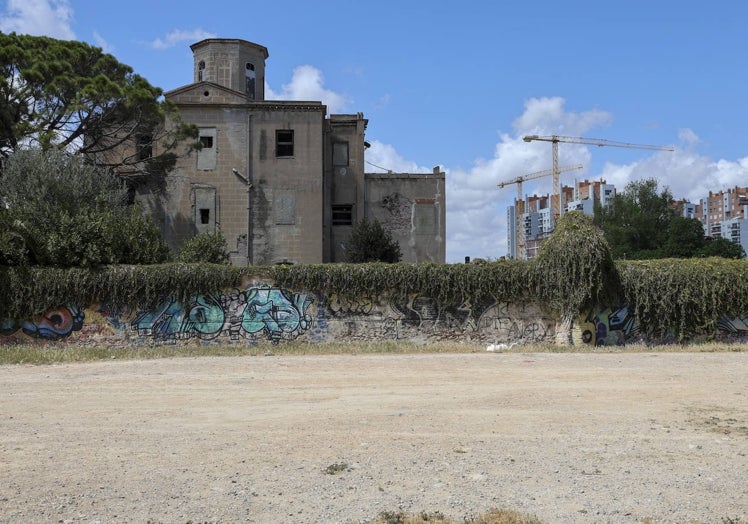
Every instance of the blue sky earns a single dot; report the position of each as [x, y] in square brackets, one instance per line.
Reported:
[457, 84]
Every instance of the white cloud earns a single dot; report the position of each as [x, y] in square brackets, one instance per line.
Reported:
[381, 158]
[39, 18]
[476, 207]
[179, 36]
[103, 44]
[307, 84]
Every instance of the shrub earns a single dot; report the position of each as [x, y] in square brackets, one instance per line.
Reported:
[369, 242]
[206, 247]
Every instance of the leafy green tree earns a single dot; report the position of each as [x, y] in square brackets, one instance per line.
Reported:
[370, 242]
[62, 211]
[205, 247]
[685, 238]
[721, 247]
[72, 96]
[636, 221]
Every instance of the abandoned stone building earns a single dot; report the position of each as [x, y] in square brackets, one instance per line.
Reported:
[283, 181]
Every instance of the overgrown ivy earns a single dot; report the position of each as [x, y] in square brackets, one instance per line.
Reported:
[576, 268]
[572, 274]
[683, 298]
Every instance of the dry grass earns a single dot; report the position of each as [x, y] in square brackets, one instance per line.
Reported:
[61, 352]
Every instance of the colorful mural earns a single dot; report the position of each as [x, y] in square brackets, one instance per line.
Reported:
[266, 313]
[53, 324]
[608, 327]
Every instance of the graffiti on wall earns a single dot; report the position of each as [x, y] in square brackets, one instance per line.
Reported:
[609, 327]
[256, 312]
[268, 312]
[54, 324]
[419, 316]
[733, 327]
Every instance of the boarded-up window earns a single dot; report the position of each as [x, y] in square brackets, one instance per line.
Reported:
[284, 207]
[340, 154]
[206, 157]
[205, 209]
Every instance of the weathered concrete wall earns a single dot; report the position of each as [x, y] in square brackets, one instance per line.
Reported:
[263, 313]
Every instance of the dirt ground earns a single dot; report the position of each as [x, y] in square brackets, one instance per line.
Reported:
[615, 437]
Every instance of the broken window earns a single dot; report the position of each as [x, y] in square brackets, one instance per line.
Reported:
[250, 80]
[284, 142]
[207, 155]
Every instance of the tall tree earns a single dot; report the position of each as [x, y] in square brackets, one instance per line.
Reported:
[73, 96]
[636, 222]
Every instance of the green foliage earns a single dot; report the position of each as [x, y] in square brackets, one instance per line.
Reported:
[636, 221]
[576, 266]
[210, 248]
[721, 247]
[13, 250]
[30, 291]
[640, 224]
[369, 242]
[64, 212]
[72, 96]
[682, 298]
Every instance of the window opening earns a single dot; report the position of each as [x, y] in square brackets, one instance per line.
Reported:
[200, 68]
[206, 141]
[204, 216]
[283, 142]
[342, 215]
[250, 80]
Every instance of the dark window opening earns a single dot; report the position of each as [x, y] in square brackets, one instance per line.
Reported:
[342, 215]
[206, 141]
[249, 86]
[283, 142]
[200, 68]
[204, 216]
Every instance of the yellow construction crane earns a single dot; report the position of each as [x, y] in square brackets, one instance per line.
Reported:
[555, 139]
[519, 249]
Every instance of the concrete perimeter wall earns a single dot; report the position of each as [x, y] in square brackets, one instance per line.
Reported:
[262, 313]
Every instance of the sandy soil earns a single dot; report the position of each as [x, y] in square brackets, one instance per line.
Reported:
[321, 439]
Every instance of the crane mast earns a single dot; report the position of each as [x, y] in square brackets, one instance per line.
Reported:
[555, 139]
[519, 248]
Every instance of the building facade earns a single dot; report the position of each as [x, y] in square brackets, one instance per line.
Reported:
[281, 180]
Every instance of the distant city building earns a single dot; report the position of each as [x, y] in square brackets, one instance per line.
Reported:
[722, 214]
[536, 220]
[725, 214]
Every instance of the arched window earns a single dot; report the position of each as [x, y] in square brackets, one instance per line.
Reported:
[250, 80]
[200, 69]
